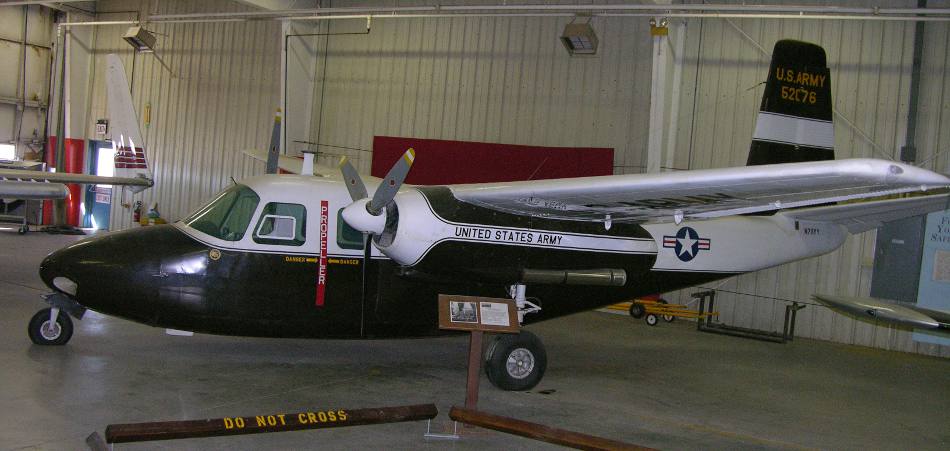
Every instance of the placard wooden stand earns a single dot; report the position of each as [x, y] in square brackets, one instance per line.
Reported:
[477, 315]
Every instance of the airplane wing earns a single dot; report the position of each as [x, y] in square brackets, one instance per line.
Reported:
[863, 216]
[291, 164]
[878, 310]
[16, 189]
[705, 193]
[9, 175]
[33, 185]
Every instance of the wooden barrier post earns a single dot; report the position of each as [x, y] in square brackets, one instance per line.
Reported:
[215, 427]
[538, 431]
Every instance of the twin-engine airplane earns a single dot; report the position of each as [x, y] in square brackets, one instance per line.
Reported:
[290, 255]
[131, 167]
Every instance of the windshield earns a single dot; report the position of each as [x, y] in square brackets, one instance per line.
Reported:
[227, 216]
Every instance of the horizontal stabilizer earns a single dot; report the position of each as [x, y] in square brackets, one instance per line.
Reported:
[881, 311]
[291, 164]
[860, 217]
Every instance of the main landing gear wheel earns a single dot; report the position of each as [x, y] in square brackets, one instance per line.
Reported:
[45, 332]
[516, 362]
[637, 310]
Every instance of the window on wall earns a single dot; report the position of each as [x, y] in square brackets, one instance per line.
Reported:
[7, 152]
[283, 224]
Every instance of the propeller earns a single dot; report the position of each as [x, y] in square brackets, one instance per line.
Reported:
[367, 214]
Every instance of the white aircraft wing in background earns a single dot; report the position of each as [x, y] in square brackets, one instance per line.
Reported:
[880, 311]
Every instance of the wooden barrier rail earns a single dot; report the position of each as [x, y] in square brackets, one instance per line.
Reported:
[538, 431]
[318, 419]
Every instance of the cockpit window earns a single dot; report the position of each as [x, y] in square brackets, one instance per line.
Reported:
[227, 216]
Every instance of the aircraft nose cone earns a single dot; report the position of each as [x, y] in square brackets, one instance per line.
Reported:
[107, 273]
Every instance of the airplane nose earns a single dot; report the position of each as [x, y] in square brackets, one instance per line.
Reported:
[107, 273]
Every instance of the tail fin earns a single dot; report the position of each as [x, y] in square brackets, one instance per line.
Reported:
[795, 120]
[273, 151]
[130, 160]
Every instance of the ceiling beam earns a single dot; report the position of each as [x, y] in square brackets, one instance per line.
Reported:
[280, 5]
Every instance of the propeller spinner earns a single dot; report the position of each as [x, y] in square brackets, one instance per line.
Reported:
[367, 214]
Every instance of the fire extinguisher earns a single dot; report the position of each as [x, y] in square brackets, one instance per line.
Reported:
[137, 212]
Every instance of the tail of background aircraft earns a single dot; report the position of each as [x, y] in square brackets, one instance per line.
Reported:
[795, 120]
[130, 159]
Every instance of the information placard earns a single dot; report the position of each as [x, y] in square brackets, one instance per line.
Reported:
[478, 313]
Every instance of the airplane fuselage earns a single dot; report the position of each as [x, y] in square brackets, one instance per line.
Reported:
[286, 265]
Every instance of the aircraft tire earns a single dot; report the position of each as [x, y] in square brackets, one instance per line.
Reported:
[667, 318]
[516, 362]
[50, 337]
[637, 310]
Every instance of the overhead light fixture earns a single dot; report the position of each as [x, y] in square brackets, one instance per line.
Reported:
[140, 39]
[579, 39]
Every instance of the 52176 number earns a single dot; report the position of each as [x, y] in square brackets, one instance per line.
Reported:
[800, 95]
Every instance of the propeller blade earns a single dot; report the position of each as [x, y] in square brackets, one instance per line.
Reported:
[387, 190]
[354, 184]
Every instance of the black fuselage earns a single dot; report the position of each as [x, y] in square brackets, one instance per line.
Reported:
[165, 277]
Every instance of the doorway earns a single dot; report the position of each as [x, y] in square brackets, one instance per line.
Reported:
[97, 201]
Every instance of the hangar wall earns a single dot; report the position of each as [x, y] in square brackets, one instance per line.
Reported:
[501, 80]
[29, 24]
[221, 101]
[870, 64]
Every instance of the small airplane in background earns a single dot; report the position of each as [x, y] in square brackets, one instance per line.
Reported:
[351, 257]
[131, 166]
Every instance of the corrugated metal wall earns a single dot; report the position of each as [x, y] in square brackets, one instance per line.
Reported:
[870, 65]
[501, 80]
[30, 123]
[220, 100]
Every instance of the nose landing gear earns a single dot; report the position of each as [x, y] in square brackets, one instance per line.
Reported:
[49, 328]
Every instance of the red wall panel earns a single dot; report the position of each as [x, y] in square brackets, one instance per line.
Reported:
[75, 150]
[441, 162]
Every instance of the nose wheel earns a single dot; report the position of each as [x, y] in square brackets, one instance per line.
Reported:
[515, 362]
[49, 328]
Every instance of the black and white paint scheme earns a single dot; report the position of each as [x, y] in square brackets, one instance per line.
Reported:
[359, 257]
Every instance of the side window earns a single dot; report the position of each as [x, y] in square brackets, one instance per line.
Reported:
[283, 224]
[346, 236]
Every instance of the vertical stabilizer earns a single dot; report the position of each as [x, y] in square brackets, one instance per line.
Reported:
[795, 120]
[273, 151]
[130, 160]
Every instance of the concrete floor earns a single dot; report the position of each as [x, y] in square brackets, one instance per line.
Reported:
[667, 387]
